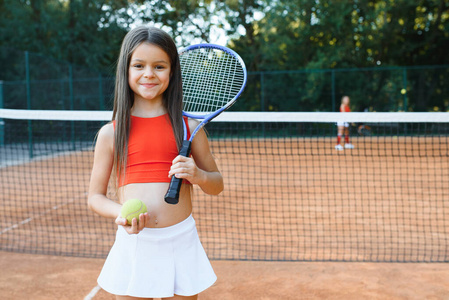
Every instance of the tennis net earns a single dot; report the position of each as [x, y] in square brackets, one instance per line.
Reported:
[289, 194]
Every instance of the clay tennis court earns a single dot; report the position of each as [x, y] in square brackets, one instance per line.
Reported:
[297, 220]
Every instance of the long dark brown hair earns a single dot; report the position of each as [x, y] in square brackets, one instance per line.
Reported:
[124, 96]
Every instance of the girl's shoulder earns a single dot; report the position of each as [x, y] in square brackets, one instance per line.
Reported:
[192, 123]
[107, 129]
[106, 133]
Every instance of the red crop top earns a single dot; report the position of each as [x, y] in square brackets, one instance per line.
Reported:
[345, 108]
[151, 150]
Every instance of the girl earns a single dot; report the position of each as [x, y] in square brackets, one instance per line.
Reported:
[159, 255]
[343, 127]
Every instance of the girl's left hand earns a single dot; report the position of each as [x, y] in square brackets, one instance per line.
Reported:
[185, 168]
[137, 225]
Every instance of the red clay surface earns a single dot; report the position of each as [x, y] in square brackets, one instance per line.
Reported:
[285, 199]
[41, 277]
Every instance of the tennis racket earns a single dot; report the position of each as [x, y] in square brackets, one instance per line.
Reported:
[213, 77]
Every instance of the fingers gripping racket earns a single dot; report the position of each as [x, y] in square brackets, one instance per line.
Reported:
[213, 77]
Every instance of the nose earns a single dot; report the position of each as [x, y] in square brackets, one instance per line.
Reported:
[148, 72]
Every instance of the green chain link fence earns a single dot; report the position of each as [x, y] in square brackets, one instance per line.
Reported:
[31, 81]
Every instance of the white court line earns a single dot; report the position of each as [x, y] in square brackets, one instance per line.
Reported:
[41, 214]
[92, 293]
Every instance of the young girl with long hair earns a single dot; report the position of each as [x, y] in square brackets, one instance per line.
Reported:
[159, 255]
[343, 127]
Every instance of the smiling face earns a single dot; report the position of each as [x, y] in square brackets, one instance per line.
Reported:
[149, 73]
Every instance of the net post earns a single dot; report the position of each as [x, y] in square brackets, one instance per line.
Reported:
[2, 123]
[262, 96]
[100, 91]
[62, 81]
[72, 106]
[333, 89]
[28, 89]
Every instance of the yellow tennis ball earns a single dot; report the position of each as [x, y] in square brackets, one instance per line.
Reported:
[131, 209]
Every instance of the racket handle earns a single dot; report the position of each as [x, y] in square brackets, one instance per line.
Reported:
[172, 196]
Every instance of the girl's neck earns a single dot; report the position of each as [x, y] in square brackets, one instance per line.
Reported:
[148, 109]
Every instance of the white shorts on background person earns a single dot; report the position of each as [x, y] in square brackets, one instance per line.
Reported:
[345, 124]
[157, 263]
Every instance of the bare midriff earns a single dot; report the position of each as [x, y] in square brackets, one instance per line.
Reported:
[152, 194]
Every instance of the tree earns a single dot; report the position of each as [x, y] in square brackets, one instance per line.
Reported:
[325, 34]
[82, 32]
[276, 35]
[329, 34]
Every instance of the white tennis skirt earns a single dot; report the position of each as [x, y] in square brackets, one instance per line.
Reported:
[345, 124]
[157, 263]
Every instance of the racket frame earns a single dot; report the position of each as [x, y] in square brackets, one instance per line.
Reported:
[172, 195]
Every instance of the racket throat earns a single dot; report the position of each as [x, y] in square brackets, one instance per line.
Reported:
[172, 195]
[185, 148]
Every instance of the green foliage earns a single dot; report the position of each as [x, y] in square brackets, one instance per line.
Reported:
[296, 34]
[72, 30]
[270, 35]
[186, 20]
[89, 32]
[325, 34]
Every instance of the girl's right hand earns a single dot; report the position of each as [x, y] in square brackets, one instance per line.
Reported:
[135, 227]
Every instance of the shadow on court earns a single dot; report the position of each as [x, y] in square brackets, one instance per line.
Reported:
[38, 277]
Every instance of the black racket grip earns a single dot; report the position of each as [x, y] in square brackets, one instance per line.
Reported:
[172, 196]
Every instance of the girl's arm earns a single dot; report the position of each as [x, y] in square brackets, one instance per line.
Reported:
[202, 169]
[98, 187]
[101, 171]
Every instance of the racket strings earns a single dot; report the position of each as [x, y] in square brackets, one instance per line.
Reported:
[211, 79]
[208, 90]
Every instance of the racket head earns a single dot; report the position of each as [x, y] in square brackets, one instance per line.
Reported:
[213, 77]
